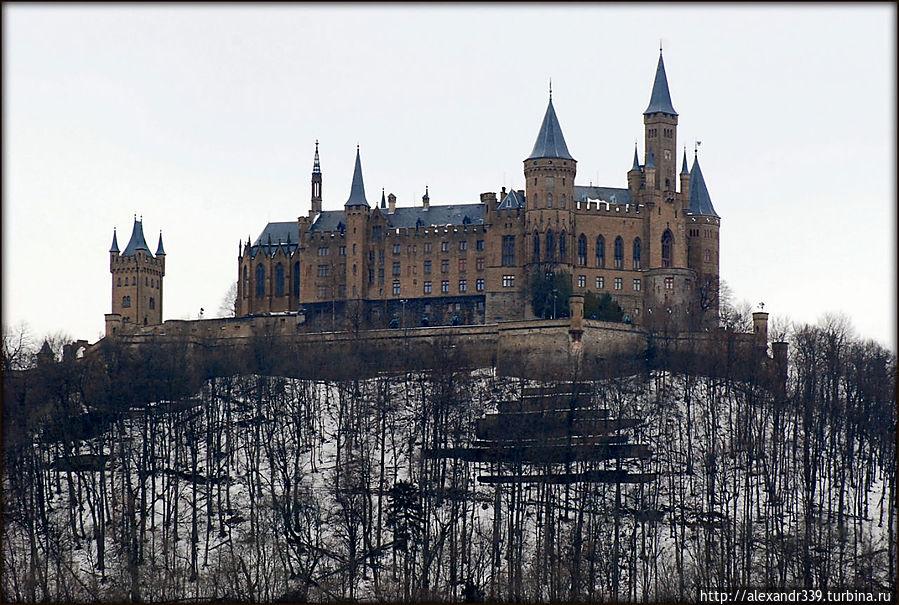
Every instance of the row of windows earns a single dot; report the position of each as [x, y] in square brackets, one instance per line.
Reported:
[133, 259]
[563, 203]
[600, 283]
[126, 302]
[600, 249]
[148, 281]
[279, 279]
[444, 246]
[444, 286]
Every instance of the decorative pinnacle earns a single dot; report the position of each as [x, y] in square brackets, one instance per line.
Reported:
[550, 89]
[696, 147]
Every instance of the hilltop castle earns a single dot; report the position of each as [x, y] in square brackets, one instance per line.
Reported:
[653, 246]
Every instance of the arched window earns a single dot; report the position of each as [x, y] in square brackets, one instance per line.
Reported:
[667, 248]
[600, 252]
[563, 201]
[296, 279]
[582, 250]
[535, 202]
[549, 200]
[619, 253]
[119, 282]
[550, 246]
[279, 280]
[563, 247]
[637, 252]
[152, 303]
[246, 282]
[260, 281]
[126, 301]
[536, 256]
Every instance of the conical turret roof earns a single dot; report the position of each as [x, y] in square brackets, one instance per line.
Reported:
[700, 202]
[684, 170]
[550, 142]
[660, 100]
[636, 165]
[160, 251]
[357, 190]
[115, 243]
[137, 241]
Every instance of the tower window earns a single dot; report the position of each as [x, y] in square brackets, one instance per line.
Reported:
[549, 200]
[550, 245]
[667, 248]
[563, 247]
[619, 253]
[152, 303]
[637, 253]
[119, 282]
[126, 301]
[536, 254]
[296, 279]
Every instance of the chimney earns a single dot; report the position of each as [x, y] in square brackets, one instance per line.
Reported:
[391, 203]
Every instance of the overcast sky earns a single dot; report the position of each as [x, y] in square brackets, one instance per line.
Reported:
[203, 120]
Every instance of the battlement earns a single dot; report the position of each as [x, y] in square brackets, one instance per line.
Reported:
[600, 206]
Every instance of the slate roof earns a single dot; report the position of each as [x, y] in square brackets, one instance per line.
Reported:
[513, 199]
[137, 241]
[450, 214]
[683, 169]
[160, 251]
[550, 142]
[115, 243]
[636, 165]
[357, 190]
[700, 202]
[613, 195]
[660, 100]
[276, 234]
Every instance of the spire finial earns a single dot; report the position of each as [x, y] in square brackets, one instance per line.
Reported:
[696, 147]
[660, 46]
[550, 89]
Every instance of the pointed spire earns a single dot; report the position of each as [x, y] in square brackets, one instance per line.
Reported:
[316, 166]
[660, 100]
[426, 199]
[700, 202]
[383, 199]
[160, 251]
[137, 241]
[684, 170]
[550, 142]
[357, 190]
[115, 243]
[636, 165]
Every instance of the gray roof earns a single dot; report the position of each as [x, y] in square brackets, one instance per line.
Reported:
[328, 220]
[636, 165]
[550, 142]
[115, 243]
[357, 190]
[285, 234]
[700, 202]
[513, 199]
[160, 251]
[451, 214]
[613, 195]
[684, 170]
[660, 100]
[137, 241]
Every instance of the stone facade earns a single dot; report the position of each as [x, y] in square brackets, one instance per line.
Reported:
[137, 277]
[653, 245]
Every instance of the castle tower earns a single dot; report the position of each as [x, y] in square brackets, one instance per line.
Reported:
[549, 173]
[703, 226]
[316, 185]
[358, 212]
[136, 280]
[660, 132]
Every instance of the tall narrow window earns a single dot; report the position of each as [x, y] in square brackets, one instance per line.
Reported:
[637, 253]
[260, 281]
[508, 250]
[246, 282]
[619, 253]
[296, 279]
[536, 255]
[600, 252]
[550, 246]
[667, 248]
[563, 247]
[279, 280]
[582, 250]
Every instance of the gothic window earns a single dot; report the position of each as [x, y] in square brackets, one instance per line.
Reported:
[246, 282]
[563, 199]
[296, 279]
[260, 281]
[126, 301]
[637, 252]
[667, 248]
[508, 250]
[152, 303]
[619, 253]
[600, 251]
[563, 247]
[536, 255]
[279, 280]
[550, 245]
[582, 250]
[535, 202]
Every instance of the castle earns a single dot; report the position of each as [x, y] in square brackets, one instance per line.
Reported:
[652, 246]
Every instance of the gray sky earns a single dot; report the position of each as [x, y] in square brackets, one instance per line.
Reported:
[203, 118]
